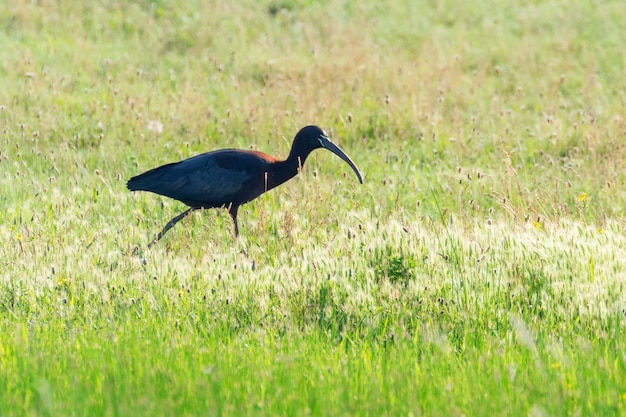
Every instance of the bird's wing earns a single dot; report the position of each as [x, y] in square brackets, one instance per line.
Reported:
[210, 178]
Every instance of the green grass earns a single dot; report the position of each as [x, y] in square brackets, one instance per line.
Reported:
[478, 271]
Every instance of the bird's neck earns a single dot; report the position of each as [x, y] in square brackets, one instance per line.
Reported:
[286, 170]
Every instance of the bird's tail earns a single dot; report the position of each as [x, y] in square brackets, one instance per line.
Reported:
[148, 180]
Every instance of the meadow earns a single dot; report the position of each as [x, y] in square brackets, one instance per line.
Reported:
[478, 271]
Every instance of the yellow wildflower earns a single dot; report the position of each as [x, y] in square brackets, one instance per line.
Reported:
[582, 197]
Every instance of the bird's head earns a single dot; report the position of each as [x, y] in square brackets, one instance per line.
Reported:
[310, 138]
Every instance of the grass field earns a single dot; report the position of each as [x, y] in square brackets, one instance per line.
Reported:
[478, 271]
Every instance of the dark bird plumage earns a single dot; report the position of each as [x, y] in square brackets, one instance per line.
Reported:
[229, 178]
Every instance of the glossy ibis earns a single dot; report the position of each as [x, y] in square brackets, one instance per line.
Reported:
[228, 178]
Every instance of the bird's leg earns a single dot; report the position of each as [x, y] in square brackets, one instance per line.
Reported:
[170, 224]
[232, 210]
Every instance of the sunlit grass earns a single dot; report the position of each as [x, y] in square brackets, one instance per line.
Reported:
[477, 271]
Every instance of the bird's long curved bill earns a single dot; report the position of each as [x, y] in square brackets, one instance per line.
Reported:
[341, 154]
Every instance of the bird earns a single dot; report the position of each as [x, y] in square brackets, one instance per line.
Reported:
[228, 178]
